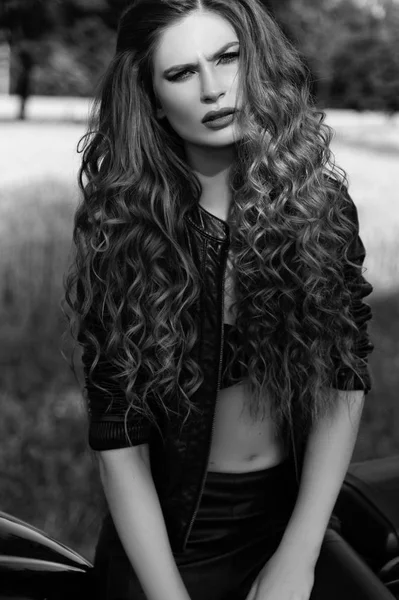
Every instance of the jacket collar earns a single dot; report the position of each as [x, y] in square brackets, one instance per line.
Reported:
[207, 222]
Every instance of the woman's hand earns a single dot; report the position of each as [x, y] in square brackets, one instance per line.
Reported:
[285, 576]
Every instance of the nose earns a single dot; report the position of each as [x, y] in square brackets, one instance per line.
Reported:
[211, 87]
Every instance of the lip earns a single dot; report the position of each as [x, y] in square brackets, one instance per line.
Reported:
[215, 114]
[221, 122]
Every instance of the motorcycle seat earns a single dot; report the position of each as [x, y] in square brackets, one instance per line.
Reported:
[368, 509]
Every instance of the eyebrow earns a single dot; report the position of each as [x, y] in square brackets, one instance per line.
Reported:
[193, 65]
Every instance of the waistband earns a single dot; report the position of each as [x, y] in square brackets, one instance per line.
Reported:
[284, 468]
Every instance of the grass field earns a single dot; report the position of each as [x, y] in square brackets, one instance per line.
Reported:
[48, 474]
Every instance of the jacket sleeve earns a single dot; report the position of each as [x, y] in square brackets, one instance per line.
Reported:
[106, 411]
[359, 288]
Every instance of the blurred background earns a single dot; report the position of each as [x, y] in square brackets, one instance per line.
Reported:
[52, 53]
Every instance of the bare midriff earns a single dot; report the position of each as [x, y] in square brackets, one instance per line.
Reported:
[239, 443]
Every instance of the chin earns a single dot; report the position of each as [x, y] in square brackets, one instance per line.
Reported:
[219, 137]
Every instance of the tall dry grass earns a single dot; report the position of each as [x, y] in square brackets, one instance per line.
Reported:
[48, 476]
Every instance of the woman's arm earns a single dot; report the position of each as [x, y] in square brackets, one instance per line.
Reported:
[135, 509]
[330, 444]
[327, 456]
[125, 470]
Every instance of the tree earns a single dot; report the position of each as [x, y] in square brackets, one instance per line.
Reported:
[25, 22]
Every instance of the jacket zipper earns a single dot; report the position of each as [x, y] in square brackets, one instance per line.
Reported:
[213, 418]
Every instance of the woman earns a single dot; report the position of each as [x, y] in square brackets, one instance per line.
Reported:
[204, 245]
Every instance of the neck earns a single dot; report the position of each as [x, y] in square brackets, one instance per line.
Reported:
[212, 166]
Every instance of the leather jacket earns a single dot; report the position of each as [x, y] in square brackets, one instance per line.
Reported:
[179, 460]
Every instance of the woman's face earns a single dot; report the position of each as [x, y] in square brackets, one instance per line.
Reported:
[186, 94]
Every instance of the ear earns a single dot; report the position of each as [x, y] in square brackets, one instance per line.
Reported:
[160, 113]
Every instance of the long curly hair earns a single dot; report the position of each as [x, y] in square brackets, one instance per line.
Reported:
[288, 229]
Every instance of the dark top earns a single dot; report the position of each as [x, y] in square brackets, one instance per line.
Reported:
[236, 369]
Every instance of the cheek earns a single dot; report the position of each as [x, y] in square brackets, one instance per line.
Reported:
[182, 111]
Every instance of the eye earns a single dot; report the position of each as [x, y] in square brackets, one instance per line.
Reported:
[227, 58]
[231, 56]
